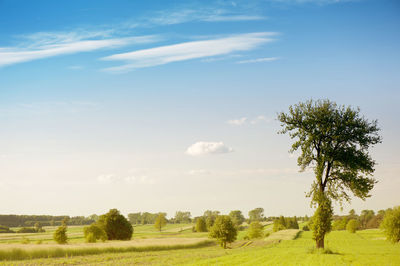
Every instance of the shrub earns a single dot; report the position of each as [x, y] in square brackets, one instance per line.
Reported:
[255, 230]
[5, 229]
[278, 225]
[27, 230]
[60, 235]
[391, 224]
[223, 230]
[305, 228]
[25, 240]
[116, 226]
[201, 225]
[93, 233]
[352, 226]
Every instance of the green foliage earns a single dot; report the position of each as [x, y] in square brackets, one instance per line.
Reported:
[256, 215]
[201, 225]
[210, 217]
[322, 220]
[93, 233]
[283, 223]
[391, 224]
[5, 229]
[27, 230]
[25, 241]
[255, 230]
[334, 140]
[305, 228]
[115, 225]
[60, 235]
[223, 230]
[352, 226]
[237, 217]
[182, 217]
[340, 224]
[160, 222]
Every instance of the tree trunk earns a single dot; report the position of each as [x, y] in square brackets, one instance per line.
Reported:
[320, 242]
[224, 245]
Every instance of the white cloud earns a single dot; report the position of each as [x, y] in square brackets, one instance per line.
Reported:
[203, 148]
[245, 120]
[46, 45]
[259, 119]
[189, 50]
[115, 179]
[108, 179]
[258, 60]
[237, 122]
[178, 16]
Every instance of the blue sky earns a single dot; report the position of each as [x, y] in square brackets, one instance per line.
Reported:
[171, 105]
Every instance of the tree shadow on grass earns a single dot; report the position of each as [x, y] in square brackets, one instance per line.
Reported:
[326, 251]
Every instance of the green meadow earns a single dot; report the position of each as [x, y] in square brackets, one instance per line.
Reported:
[178, 245]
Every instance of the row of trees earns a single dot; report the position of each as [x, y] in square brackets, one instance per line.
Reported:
[366, 220]
[283, 223]
[11, 220]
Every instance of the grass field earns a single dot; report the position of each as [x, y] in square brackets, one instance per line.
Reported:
[288, 247]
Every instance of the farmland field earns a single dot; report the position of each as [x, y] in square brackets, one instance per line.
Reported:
[287, 247]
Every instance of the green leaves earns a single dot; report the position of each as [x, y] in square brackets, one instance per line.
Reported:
[334, 141]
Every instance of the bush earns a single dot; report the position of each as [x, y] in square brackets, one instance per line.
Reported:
[305, 228]
[27, 230]
[5, 229]
[60, 235]
[93, 233]
[255, 230]
[352, 226]
[223, 230]
[25, 240]
[391, 224]
[201, 225]
[116, 226]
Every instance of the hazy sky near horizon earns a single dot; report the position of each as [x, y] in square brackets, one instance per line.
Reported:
[171, 105]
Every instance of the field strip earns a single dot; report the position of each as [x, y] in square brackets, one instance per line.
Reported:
[288, 234]
[30, 251]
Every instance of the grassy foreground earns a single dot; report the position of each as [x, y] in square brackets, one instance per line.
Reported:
[367, 247]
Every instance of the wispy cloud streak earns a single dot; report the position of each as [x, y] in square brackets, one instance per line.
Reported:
[189, 50]
[258, 60]
[50, 45]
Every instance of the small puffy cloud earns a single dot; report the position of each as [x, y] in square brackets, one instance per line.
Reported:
[203, 148]
[237, 122]
[139, 180]
[259, 119]
[108, 179]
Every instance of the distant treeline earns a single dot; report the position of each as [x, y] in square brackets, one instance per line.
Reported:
[12, 220]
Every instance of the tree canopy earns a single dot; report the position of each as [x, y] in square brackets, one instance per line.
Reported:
[116, 226]
[223, 230]
[160, 222]
[333, 140]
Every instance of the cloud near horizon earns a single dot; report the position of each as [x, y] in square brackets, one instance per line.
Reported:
[204, 148]
[188, 50]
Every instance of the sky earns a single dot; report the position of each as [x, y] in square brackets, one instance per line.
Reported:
[172, 105]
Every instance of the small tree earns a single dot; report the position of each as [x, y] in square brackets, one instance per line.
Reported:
[237, 217]
[255, 230]
[256, 215]
[223, 230]
[93, 233]
[352, 226]
[201, 225]
[334, 141]
[391, 224]
[60, 235]
[116, 226]
[160, 222]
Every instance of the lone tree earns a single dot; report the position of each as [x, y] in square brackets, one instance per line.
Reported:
[60, 235]
[223, 230]
[160, 222]
[334, 141]
[116, 226]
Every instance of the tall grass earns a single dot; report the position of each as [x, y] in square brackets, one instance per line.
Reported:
[22, 254]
